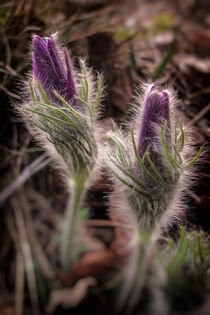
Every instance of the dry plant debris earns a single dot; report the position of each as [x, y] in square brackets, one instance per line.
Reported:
[130, 41]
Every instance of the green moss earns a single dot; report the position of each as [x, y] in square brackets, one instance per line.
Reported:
[123, 34]
[2, 16]
[163, 22]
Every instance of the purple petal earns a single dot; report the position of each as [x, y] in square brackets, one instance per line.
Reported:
[155, 112]
[41, 58]
[56, 60]
[51, 71]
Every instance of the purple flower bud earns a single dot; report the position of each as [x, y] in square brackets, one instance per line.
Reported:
[51, 69]
[156, 111]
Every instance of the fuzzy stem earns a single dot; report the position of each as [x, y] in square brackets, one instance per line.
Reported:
[144, 240]
[70, 221]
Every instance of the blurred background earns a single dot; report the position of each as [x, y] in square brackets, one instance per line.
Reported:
[130, 41]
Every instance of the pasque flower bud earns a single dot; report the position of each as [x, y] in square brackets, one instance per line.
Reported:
[51, 68]
[156, 111]
[61, 112]
[154, 116]
[150, 164]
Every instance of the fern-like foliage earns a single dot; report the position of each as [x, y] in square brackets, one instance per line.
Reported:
[186, 265]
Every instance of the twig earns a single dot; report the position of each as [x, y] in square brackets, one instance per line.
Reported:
[9, 70]
[8, 54]
[30, 170]
[19, 283]
[200, 115]
[7, 5]
[17, 97]
[199, 93]
[19, 279]
[94, 222]
[44, 264]
[28, 259]
[25, 247]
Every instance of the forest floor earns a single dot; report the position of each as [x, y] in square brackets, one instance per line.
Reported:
[130, 42]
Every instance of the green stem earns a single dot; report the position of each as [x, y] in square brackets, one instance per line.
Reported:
[70, 218]
[140, 272]
[131, 286]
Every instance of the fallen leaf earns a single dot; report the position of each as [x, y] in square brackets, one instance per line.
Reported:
[201, 65]
[69, 297]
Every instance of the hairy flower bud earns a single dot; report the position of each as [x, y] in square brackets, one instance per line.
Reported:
[156, 111]
[52, 69]
[61, 111]
[150, 163]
